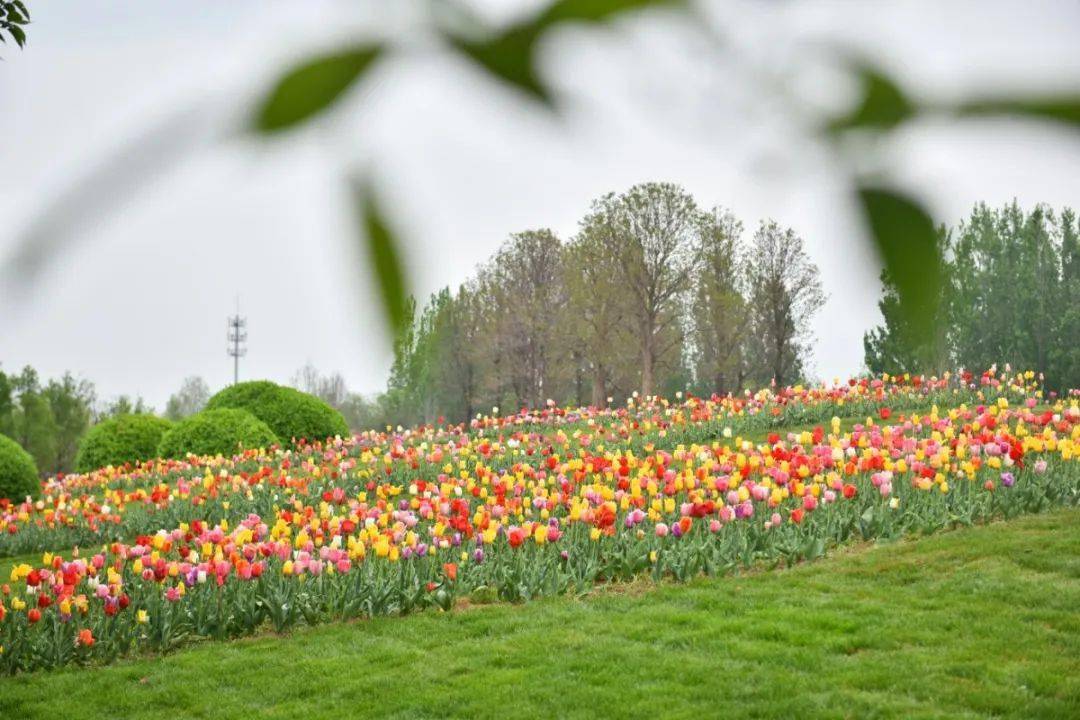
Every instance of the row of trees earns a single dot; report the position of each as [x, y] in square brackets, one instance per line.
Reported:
[46, 419]
[1010, 295]
[653, 294]
[49, 418]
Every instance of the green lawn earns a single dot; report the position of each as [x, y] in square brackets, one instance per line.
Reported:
[982, 622]
[9, 562]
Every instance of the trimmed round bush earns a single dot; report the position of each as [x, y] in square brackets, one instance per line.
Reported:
[18, 473]
[122, 439]
[216, 432]
[291, 414]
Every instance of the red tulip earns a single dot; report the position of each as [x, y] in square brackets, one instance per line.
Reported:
[86, 638]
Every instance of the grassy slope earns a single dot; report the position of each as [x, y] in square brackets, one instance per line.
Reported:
[974, 623]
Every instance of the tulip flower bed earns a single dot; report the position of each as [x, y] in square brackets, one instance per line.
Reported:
[980, 622]
[542, 504]
[120, 504]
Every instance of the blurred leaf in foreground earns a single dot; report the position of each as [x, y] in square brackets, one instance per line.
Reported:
[907, 243]
[510, 54]
[382, 251]
[1065, 108]
[312, 87]
[883, 104]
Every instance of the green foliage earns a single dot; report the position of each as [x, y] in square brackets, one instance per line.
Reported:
[69, 402]
[902, 231]
[1006, 296]
[18, 473]
[13, 17]
[7, 405]
[32, 423]
[1011, 297]
[882, 105]
[312, 87]
[896, 346]
[383, 253]
[1063, 108]
[47, 421]
[119, 440]
[124, 405]
[908, 246]
[720, 311]
[289, 413]
[221, 431]
[510, 55]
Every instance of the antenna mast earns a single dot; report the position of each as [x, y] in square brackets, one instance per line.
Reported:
[237, 336]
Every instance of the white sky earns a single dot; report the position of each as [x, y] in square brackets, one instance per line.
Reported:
[138, 300]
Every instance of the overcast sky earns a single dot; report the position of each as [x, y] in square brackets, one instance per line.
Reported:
[138, 299]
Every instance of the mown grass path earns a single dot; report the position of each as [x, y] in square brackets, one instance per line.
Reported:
[980, 622]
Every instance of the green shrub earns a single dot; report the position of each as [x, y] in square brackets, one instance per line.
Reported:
[18, 474]
[213, 432]
[291, 414]
[119, 440]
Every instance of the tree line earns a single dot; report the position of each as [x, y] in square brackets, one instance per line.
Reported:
[49, 418]
[1009, 296]
[653, 294]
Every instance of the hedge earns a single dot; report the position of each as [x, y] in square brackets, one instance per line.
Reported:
[216, 432]
[291, 414]
[18, 473]
[119, 440]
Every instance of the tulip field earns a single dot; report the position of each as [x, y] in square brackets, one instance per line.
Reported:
[512, 508]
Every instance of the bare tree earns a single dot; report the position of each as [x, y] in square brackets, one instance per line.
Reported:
[596, 307]
[189, 399]
[719, 310]
[784, 293]
[331, 389]
[462, 336]
[651, 231]
[528, 291]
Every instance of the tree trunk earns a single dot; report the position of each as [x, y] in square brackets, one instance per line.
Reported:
[778, 367]
[647, 370]
[599, 387]
[579, 380]
[468, 396]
